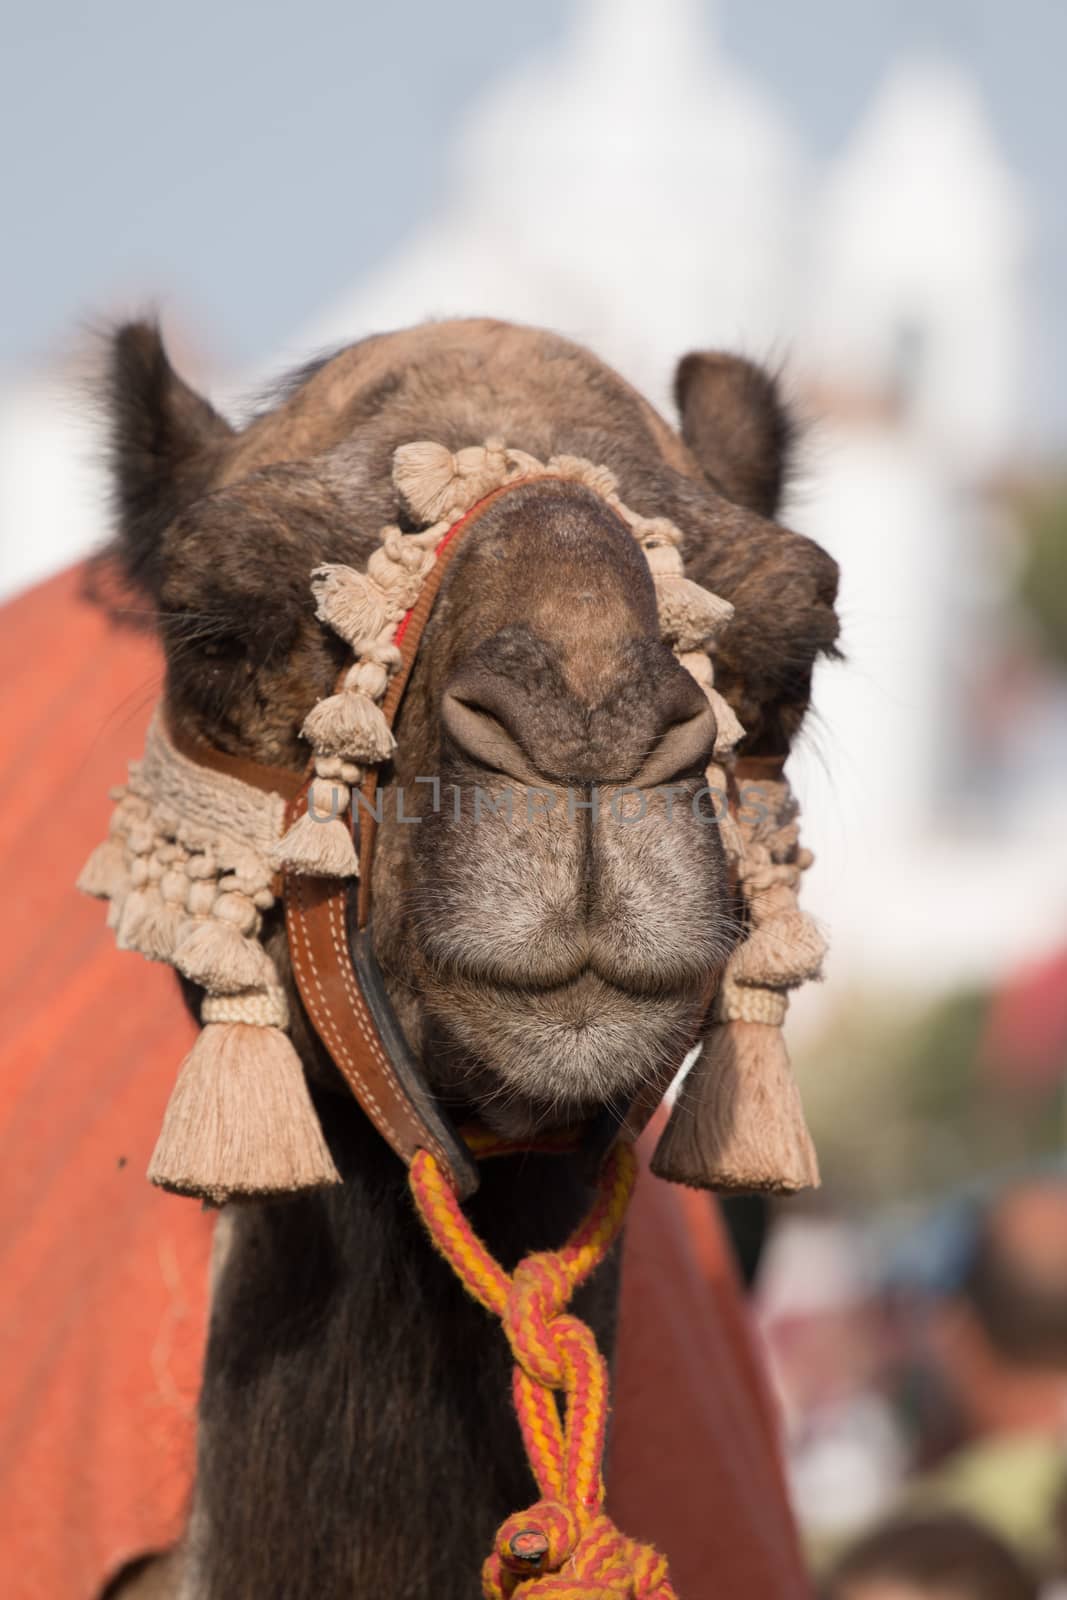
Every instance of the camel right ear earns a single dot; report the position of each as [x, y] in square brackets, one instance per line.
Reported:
[166, 441]
[736, 423]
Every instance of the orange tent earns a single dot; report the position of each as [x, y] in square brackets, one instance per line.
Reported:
[104, 1279]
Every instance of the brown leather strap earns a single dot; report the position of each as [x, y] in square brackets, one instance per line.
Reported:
[337, 1003]
[758, 769]
[360, 1035]
[271, 780]
[350, 1012]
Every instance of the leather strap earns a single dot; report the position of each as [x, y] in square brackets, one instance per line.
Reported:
[355, 1022]
[758, 769]
[271, 780]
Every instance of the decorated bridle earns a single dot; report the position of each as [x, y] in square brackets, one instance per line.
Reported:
[202, 844]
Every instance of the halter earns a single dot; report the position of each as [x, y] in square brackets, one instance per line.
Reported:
[203, 844]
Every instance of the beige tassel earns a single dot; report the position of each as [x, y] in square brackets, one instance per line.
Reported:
[738, 1123]
[161, 931]
[349, 603]
[320, 843]
[437, 484]
[728, 731]
[600, 479]
[398, 567]
[131, 917]
[220, 958]
[425, 474]
[240, 1120]
[349, 724]
[148, 925]
[689, 616]
[787, 950]
[105, 875]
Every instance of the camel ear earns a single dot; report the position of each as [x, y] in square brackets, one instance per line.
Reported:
[737, 425]
[165, 445]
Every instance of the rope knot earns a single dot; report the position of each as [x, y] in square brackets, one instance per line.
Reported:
[540, 1288]
[530, 1543]
[543, 1554]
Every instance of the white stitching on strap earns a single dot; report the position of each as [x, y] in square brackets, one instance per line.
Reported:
[307, 969]
[369, 1032]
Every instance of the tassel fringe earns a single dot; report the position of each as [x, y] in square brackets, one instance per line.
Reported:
[437, 484]
[738, 1123]
[148, 925]
[689, 616]
[349, 602]
[728, 731]
[319, 849]
[222, 960]
[105, 875]
[349, 725]
[789, 950]
[240, 1120]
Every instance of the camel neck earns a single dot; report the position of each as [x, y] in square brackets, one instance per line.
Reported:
[357, 1434]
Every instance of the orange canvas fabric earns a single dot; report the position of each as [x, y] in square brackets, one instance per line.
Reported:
[104, 1280]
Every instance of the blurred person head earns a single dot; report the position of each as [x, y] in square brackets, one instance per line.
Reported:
[1001, 1339]
[935, 1557]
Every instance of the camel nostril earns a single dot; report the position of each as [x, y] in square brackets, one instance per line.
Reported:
[479, 722]
[683, 749]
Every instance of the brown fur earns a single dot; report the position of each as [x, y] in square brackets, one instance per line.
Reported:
[541, 969]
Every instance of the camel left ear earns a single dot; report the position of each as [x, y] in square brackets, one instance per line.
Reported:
[166, 441]
[736, 423]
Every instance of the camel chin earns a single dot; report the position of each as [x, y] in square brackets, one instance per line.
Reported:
[549, 1058]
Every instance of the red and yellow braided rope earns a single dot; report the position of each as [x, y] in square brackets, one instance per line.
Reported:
[565, 1546]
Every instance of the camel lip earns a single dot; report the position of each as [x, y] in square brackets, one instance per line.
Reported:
[587, 977]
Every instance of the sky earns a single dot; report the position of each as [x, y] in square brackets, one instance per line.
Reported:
[241, 165]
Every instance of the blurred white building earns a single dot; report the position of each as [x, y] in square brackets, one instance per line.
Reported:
[918, 260]
[635, 192]
[638, 193]
[931, 870]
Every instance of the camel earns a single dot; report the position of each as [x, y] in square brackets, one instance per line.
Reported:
[355, 1431]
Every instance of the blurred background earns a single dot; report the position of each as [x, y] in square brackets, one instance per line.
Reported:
[866, 194]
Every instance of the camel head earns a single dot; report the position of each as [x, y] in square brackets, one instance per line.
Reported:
[550, 896]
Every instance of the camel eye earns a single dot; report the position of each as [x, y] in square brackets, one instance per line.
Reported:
[218, 648]
[207, 636]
